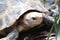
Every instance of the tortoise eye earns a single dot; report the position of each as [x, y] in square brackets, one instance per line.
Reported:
[34, 18]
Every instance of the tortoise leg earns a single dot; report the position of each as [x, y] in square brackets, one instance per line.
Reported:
[12, 35]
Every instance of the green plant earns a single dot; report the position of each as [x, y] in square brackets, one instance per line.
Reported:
[54, 26]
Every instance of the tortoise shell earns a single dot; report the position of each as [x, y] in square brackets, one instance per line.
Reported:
[11, 10]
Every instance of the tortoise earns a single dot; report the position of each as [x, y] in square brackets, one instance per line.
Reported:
[10, 11]
[29, 12]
